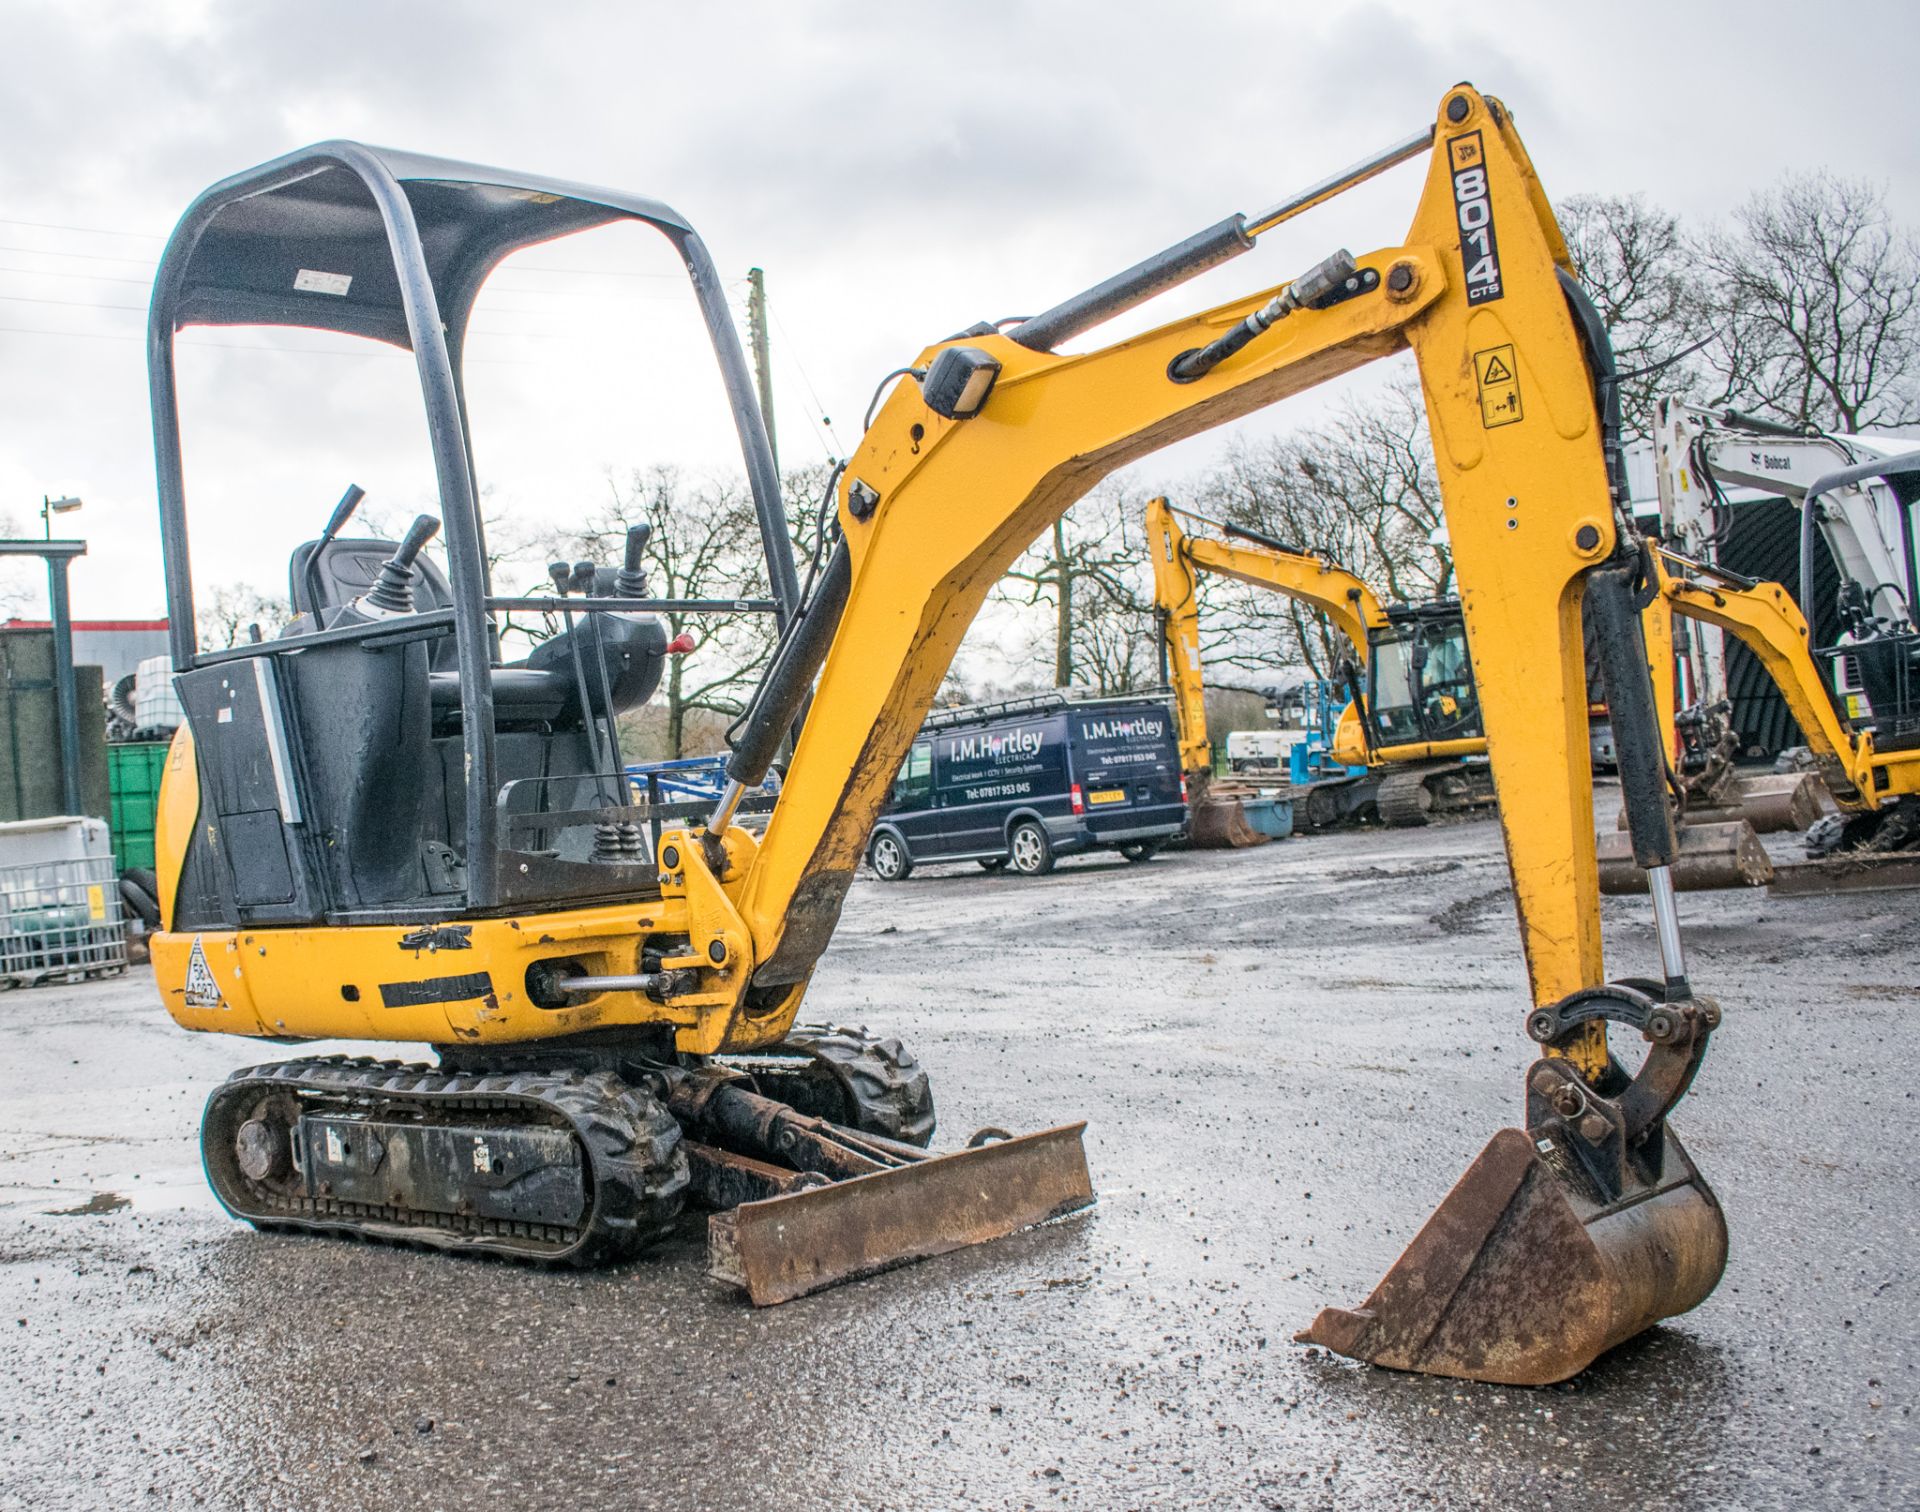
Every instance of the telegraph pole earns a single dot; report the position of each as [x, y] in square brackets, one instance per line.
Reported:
[762, 367]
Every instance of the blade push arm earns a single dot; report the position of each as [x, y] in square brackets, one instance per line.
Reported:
[935, 509]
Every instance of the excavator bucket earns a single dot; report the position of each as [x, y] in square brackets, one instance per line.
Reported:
[1524, 1276]
[1218, 822]
[814, 1237]
[1708, 856]
[1776, 801]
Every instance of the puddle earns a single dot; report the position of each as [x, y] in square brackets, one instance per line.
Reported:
[99, 1202]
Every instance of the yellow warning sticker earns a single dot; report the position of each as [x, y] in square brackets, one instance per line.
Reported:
[202, 990]
[96, 902]
[1499, 382]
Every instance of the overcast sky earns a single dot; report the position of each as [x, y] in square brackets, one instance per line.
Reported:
[898, 170]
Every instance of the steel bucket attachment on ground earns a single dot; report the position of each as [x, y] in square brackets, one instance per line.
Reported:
[1218, 822]
[1564, 1239]
[1708, 856]
[1773, 802]
[806, 1204]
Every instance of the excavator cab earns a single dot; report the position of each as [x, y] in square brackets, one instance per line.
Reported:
[1420, 676]
[386, 752]
[1874, 663]
[390, 822]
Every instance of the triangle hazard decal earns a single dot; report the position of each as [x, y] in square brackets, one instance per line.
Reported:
[1497, 371]
[202, 990]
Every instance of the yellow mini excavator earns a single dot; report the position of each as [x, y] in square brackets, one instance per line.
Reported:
[1868, 753]
[375, 828]
[1414, 729]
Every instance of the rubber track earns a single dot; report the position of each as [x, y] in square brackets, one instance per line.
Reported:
[1398, 800]
[636, 1181]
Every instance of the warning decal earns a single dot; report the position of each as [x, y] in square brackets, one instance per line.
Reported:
[1499, 382]
[202, 990]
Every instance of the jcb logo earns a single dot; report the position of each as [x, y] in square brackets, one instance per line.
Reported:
[1473, 207]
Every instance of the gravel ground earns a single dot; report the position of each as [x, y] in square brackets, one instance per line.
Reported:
[1285, 1055]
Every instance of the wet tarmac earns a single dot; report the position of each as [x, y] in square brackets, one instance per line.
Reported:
[1285, 1055]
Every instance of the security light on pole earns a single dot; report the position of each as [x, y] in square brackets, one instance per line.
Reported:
[51, 507]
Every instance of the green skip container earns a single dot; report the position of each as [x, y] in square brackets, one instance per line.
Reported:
[133, 789]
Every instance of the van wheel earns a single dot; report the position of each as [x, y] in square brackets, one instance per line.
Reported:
[1032, 851]
[889, 858]
[1140, 850]
[993, 863]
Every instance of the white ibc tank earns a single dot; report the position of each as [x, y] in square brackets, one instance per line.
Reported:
[154, 701]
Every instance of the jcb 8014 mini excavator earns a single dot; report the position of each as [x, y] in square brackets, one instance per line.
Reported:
[1414, 727]
[359, 831]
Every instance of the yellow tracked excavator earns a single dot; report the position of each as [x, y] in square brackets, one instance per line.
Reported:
[1414, 731]
[376, 828]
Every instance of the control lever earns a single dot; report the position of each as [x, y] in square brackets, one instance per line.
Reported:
[561, 574]
[392, 590]
[583, 578]
[632, 582]
[336, 522]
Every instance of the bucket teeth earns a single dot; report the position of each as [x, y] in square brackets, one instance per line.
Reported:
[1522, 1277]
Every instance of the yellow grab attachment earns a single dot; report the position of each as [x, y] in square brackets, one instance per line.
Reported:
[788, 1246]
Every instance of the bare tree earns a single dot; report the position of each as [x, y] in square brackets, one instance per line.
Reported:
[1363, 491]
[1634, 260]
[704, 543]
[227, 616]
[1090, 569]
[1816, 297]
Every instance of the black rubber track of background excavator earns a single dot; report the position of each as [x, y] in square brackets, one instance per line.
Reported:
[1420, 794]
[558, 1167]
[1404, 800]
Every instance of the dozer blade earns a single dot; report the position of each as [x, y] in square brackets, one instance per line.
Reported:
[787, 1247]
[1709, 856]
[1520, 1278]
[1219, 823]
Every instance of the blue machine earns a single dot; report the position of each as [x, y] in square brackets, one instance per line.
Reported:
[1317, 705]
[688, 779]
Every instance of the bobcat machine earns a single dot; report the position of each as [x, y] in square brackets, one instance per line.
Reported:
[1410, 741]
[375, 828]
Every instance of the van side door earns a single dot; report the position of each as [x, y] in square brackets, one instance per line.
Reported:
[912, 810]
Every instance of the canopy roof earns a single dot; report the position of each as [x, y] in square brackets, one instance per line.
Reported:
[300, 241]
